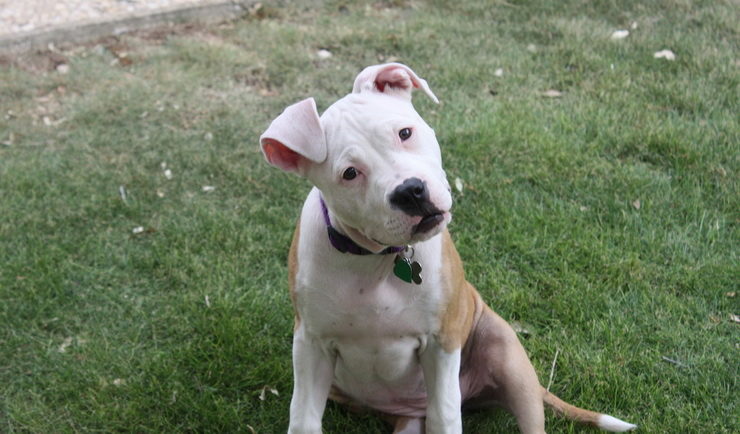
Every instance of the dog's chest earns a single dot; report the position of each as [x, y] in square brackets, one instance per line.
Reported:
[373, 322]
[375, 304]
[376, 330]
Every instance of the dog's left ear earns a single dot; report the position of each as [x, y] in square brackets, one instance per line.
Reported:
[391, 79]
[295, 138]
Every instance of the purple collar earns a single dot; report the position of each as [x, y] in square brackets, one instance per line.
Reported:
[344, 243]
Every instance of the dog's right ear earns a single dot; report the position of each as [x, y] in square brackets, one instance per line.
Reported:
[391, 79]
[295, 138]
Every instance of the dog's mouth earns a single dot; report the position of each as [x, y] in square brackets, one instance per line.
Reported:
[426, 227]
[428, 222]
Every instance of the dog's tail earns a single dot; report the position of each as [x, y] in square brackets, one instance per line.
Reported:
[599, 420]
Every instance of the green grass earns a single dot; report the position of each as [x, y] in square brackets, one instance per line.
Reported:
[547, 223]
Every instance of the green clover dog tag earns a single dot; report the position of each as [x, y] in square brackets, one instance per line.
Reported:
[416, 272]
[402, 269]
[406, 270]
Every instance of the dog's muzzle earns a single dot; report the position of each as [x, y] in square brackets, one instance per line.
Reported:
[412, 197]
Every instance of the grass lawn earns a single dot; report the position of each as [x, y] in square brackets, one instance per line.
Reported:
[603, 220]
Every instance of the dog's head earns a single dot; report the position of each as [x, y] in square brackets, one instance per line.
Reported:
[374, 159]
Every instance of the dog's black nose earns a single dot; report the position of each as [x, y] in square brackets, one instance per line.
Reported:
[412, 197]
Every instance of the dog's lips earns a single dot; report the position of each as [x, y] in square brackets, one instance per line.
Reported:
[428, 222]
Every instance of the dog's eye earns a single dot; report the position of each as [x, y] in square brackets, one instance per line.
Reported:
[350, 174]
[405, 133]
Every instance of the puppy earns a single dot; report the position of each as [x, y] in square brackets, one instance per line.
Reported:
[384, 317]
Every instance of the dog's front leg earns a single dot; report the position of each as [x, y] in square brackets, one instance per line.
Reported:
[313, 371]
[442, 379]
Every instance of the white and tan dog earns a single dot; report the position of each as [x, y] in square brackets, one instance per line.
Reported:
[384, 318]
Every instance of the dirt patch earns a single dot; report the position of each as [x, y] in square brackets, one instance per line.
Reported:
[35, 61]
[55, 57]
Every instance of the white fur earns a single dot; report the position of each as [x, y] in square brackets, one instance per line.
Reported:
[361, 327]
[441, 373]
[312, 381]
[373, 323]
[610, 423]
[361, 131]
[413, 426]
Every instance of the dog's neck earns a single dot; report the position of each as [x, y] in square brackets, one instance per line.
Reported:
[344, 242]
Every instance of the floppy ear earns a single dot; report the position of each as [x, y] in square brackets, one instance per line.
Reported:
[295, 138]
[391, 79]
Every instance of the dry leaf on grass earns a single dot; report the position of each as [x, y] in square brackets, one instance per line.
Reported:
[674, 362]
[636, 204]
[459, 185]
[620, 34]
[9, 142]
[63, 347]
[521, 328]
[268, 92]
[120, 55]
[122, 192]
[49, 122]
[141, 230]
[665, 54]
[552, 93]
[265, 389]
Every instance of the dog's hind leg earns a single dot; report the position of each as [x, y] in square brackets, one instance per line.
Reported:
[497, 371]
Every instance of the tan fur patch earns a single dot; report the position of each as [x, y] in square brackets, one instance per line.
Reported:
[570, 411]
[459, 312]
